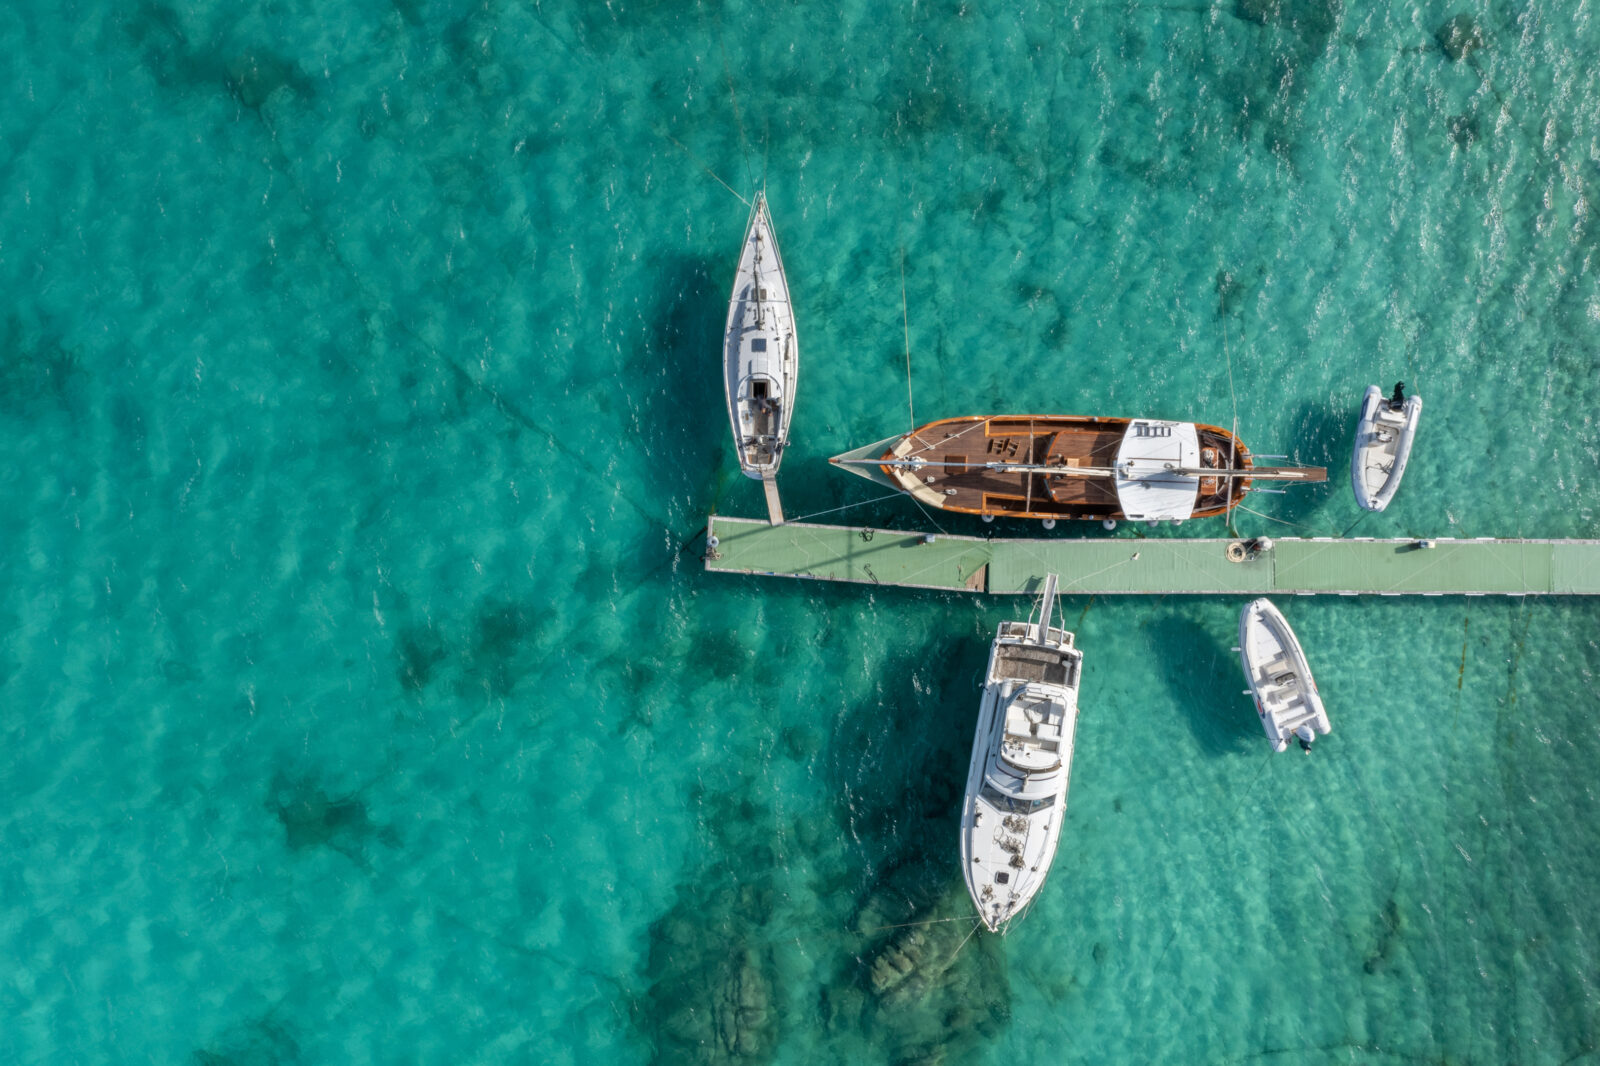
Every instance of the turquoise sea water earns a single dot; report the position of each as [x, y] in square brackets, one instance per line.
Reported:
[360, 393]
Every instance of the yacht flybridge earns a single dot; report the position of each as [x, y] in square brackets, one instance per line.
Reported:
[1068, 466]
[1016, 796]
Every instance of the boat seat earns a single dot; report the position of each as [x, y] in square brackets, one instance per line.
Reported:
[1271, 671]
[1289, 725]
[1282, 709]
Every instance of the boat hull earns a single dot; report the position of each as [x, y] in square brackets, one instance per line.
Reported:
[760, 350]
[1077, 459]
[1017, 781]
[1383, 446]
[1285, 694]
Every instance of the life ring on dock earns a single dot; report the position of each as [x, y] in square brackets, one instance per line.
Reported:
[1237, 552]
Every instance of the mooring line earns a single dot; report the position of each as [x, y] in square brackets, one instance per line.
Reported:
[1281, 521]
[925, 513]
[905, 323]
[727, 73]
[1266, 762]
[975, 923]
[846, 507]
[908, 925]
[707, 169]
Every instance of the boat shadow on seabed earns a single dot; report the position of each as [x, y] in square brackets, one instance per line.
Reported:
[690, 457]
[1323, 435]
[1203, 676]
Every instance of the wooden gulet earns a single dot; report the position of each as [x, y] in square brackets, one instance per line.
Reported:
[1068, 466]
[1256, 473]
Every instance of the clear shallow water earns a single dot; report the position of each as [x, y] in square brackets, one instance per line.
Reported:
[360, 388]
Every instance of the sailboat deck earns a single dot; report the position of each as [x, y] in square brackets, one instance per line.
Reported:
[1157, 566]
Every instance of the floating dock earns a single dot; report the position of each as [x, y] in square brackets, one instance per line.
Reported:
[1156, 566]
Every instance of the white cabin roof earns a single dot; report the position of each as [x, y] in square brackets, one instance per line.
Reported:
[1148, 487]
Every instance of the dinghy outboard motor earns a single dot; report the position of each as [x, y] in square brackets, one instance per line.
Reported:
[1398, 400]
[1305, 745]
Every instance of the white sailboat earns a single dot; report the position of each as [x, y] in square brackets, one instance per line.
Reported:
[1383, 444]
[1285, 694]
[760, 353]
[1016, 796]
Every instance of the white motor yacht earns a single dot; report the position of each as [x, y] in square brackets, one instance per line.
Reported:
[1016, 797]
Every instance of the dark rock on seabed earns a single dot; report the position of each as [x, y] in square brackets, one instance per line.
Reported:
[1460, 37]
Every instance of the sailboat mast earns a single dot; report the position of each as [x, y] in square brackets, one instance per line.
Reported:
[1045, 607]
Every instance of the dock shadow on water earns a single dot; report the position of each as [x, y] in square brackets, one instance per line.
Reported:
[1204, 676]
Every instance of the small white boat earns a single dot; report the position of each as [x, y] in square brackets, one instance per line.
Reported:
[1383, 444]
[1021, 757]
[760, 355]
[1280, 680]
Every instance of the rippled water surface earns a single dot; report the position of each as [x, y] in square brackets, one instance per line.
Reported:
[364, 700]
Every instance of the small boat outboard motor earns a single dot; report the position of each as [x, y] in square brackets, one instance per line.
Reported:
[1398, 400]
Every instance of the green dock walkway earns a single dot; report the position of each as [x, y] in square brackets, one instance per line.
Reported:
[1165, 566]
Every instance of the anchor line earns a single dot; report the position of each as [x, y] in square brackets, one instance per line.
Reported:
[905, 323]
[766, 149]
[925, 513]
[1281, 521]
[975, 924]
[1354, 524]
[733, 97]
[908, 925]
[1266, 761]
[708, 170]
[846, 507]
